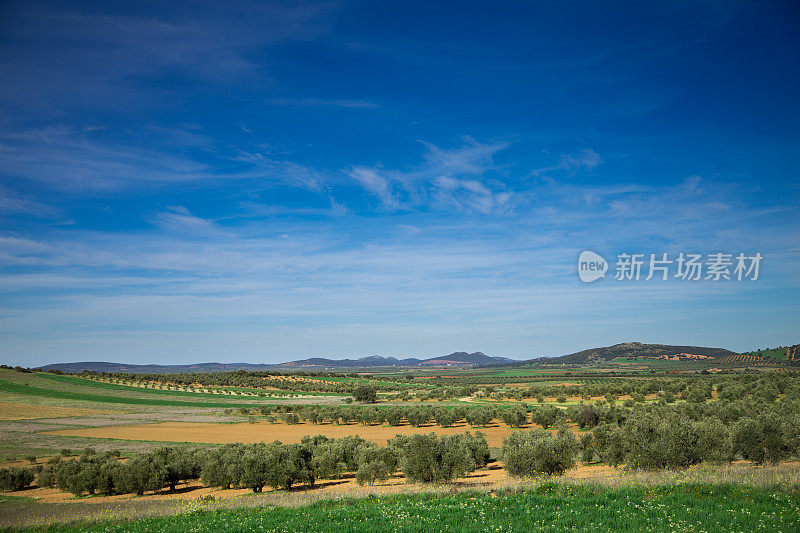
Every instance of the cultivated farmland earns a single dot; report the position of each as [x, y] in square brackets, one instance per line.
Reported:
[73, 445]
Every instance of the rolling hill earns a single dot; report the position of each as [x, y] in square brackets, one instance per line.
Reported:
[374, 361]
[635, 350]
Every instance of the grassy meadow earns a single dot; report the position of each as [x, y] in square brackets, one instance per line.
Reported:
[550, 507]
[596, 450]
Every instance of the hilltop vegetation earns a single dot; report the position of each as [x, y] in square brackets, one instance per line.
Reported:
[636, 350]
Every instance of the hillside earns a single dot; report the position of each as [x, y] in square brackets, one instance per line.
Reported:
[374, 361]
[634, 350]
[105, 366]
[455, 358]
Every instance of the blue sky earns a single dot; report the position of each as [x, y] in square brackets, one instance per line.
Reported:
[269, 181]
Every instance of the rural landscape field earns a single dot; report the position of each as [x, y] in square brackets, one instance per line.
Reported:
[378, 266]
[705, 440]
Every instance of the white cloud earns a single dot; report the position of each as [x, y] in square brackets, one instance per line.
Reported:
[380, 185]
[586, 159]
[13, 204]
[450, 179]
[178, 219]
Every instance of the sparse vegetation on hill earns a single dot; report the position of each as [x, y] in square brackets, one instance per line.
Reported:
[638, 349]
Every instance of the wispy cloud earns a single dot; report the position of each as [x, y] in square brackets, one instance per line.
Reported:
[254, 209]
[63, 157]
[13, 204]
[178, 219]
[377, 184]
[66, 158]
[585, 159]
[102, 56]
[459, 179]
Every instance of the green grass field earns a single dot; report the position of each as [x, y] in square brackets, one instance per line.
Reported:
[550, 507]
[41, 392]
[74, 380]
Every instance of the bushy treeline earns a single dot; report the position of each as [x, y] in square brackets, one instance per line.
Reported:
[662, 437]
[394, 415]
[747, 421]
[697, 387]
[254, 380]
[16, 478]
[424, 458]
[528, 453]
[94, 473]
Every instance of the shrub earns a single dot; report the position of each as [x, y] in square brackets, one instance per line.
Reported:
[291, 418]
[714, 441]
[365, 394]
[655, 442]
[545, 416]
[478, 447]
[446, 417]
[515, 416]
[174, 465]
[481, 416]
[748, 440]
[611, 444]
[587, 446]
[375, 464]
[47, 477]
[333, 457]
[221, 468]
[587, 416]
[256, 464]
[15, 478]
[394, 416]
[528, 453]
[417, 416]
[287, 464]
[87, 475]
[429, 459]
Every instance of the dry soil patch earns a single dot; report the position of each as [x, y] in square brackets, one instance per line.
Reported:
[217, 433]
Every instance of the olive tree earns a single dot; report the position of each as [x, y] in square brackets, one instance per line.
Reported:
[528, 453]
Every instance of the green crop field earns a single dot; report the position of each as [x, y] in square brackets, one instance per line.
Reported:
[551, 507]
[27, 390]
[83, 382]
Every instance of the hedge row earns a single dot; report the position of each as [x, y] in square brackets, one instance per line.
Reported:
[421, 457]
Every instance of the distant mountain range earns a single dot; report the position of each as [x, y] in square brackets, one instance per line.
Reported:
[454, 359]
[103, 366]
[631, 350]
